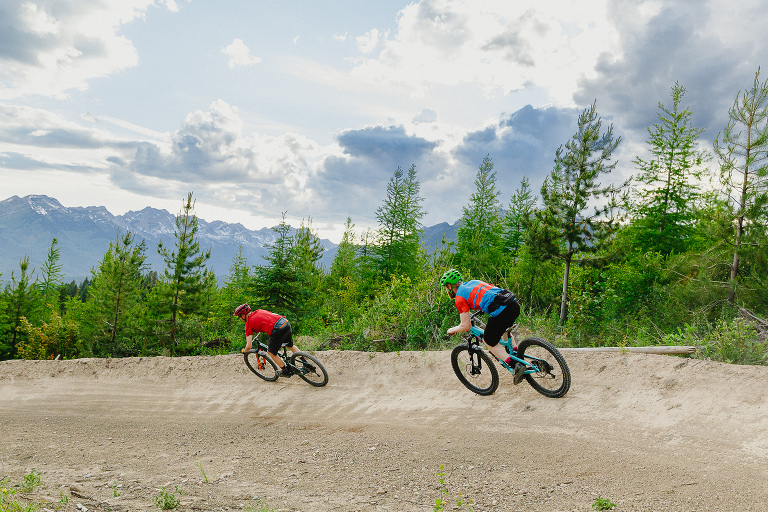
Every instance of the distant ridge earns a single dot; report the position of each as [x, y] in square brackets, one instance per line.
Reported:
[28, 224]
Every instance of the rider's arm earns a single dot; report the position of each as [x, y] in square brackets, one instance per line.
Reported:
[248, 343]
[464, 326]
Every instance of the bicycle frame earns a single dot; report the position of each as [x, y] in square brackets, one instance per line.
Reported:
[477, 334]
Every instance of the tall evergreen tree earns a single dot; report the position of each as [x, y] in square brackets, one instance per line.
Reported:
[398, 239]
[743, 155]
[665, 209]
[51, 280]
[279, 282]
[116, 289]
[344, 264]
[479, 237]
[518, 217]
[22, 294]
[564, 229]
[185, 277]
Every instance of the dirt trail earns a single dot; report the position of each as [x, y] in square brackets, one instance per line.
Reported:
[648, 432]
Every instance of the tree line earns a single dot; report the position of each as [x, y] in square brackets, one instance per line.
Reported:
[675, 255]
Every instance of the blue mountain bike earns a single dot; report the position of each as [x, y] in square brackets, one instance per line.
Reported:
[546, 370]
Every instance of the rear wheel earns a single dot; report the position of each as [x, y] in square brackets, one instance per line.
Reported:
[553, 378]
[261, 364]
[310, 369]
[475, 369]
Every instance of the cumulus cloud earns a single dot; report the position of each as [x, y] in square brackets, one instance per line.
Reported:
[239, 54]
[53, 47]
[426, 115]
[708, 47]
[503, 47]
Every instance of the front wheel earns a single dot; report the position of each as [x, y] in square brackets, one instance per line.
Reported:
[552, 378]
[262, 365]
[475, 369]
[310, 369]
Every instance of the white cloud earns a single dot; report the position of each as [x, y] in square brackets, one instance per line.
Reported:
[340, 37]
[502, 47]
[58, 46]
[239, 54]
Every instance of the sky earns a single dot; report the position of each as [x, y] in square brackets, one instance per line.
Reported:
[265, 108]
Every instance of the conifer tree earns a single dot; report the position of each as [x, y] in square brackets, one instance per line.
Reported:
[743, 155]
[479, 237]
[665, 209]
[22, 294]
[185, 277]
[564, 229]
[115, 290]
[518, 217]
[51, 280]
[398, 241]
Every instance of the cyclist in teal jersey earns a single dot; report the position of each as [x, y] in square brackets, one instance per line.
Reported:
[500, 304]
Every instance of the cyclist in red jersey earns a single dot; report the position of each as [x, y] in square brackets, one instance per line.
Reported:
[276, 326]
[500, 304]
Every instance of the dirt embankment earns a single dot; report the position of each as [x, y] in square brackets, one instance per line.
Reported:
[648, 432]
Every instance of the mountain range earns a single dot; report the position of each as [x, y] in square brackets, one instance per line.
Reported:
[29, 224]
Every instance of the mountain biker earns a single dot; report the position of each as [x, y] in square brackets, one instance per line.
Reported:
[500, 304]
[276, 326]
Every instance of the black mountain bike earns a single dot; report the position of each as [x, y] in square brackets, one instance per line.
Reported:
[546, 370]
[302, 364]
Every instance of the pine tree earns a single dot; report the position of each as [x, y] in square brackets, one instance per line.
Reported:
[563, 229]
[665, 210]
[51, 280]
[185, 279]
[398, 240]
[743, 159]
[22, 295]
[479, 237]
[519, 216]
[116, 289]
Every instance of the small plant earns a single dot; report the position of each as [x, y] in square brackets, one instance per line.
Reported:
[440, 503]
[115, 488]
[31, 481]
[168, 500]
[202, 472]
[603, 504]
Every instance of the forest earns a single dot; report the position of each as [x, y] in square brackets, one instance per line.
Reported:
[674, 256]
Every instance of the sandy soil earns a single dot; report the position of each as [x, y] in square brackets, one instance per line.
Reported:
[647, 432]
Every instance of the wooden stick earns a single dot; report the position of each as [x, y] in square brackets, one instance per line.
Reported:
[645, 350]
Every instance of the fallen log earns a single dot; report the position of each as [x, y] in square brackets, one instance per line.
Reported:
[669, 350]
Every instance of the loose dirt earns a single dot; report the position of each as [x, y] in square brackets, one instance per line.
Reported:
[646, 432]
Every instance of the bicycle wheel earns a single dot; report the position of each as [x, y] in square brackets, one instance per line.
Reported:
[475, 369]
[310, 369]
[553, 378]
[262, 365]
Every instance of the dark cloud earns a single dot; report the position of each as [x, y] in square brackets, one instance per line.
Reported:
[523, 144]
[386, 147]
[516, 48]
[18, 161]
[674, 46]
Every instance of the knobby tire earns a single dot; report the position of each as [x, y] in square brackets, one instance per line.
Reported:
[310, 369]
[486, 379]
[554, 379]
[262, 365]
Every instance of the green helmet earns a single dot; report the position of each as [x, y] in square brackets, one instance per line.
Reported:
[451, 277]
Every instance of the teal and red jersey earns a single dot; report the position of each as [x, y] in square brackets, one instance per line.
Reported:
[475, 295]
[261, 320]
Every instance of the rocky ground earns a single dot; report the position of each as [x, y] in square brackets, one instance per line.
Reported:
[645, 432]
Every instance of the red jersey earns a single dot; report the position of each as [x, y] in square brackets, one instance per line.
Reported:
[261, 320]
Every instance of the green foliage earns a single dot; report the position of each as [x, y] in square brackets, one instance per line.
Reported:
[51, 280]
[397, 239]
[603, 504]
[8, 504]
[57, 337]
[479, 237]
[31, 481]
[665, 210]
[185, 278]
[518, 217]
[731, 340]
[441, 503]
[168, 500]
[743, 155]
[21, 297]
[564, 229]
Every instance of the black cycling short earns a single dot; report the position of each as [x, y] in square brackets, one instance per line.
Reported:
[280, 335]
[504, 320]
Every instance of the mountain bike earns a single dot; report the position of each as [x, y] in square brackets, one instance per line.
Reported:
[302, 364]
[545, 367]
